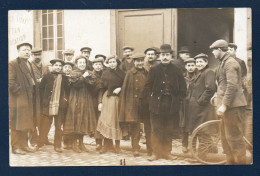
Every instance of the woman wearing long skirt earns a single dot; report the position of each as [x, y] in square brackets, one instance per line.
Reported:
[81, 118]
[108, 123]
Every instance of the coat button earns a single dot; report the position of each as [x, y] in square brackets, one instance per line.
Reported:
[136, 96]
[136, 80]
[163, 82]
[158, 98]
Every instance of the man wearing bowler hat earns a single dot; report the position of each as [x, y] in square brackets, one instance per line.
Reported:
[230, 102]
[184, 53]
[166, 88]
[127, 61]
[21, 99]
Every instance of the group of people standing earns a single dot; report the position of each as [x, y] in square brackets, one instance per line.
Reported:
[108, 98]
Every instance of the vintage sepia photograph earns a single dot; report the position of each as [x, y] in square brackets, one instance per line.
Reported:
[130, 87]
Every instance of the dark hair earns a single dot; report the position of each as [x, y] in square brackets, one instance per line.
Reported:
[113, 57]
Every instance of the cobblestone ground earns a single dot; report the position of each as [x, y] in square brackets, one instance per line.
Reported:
[46, 156]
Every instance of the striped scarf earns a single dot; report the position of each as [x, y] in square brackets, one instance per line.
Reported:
[55, 96]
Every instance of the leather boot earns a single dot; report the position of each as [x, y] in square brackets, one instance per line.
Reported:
[99, 144]
[75, 146]
[82, 145]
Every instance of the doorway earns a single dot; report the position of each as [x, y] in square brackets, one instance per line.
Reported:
[199, 28]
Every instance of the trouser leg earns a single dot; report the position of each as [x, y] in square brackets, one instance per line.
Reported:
[58, 131]
[18, 139]
[232, 126]
[44, 130]
[157, 134]
[35, 137]
[147, 130]
[168, 132]
[135, 135]
[185, 137]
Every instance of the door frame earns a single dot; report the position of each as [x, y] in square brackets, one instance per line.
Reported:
[115, 29]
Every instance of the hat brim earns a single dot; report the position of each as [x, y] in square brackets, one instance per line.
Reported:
[53, 61]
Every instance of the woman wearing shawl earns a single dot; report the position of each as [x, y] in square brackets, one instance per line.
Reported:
[108, 123]
[81, 118]
[53, 92]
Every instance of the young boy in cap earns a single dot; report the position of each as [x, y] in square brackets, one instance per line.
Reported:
[97, 92]
[189, 78]
[127, 61]
[132, 103]
[53, 92]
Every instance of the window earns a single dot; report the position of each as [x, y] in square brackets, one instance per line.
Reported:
[52, 31]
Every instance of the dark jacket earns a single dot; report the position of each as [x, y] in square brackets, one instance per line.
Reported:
[46, 87]
[125, 65]
[21, 90]
[112, 79]
[229, 78]
[80, 117]
[180, 64]
[155, 84]
[199, 109]
[131, 106]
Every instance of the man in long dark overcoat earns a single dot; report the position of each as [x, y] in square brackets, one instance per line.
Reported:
[230, 102]
[166, 87]
[21, 99]
[133, 107]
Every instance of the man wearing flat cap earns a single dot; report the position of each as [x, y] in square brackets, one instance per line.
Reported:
[37, 68]
[184, 53]
[230, 102]
[150, 58]
[21, 99]
[166, 88]
[68, 55]
[133, 105]
[127, 61]
[86, 51]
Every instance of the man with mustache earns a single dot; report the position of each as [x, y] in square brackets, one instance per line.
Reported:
[21, 82]
[127, 61]
[37, 68]
[151, 55]
[166, 88]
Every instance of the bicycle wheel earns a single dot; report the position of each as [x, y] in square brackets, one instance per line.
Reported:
[205, 143]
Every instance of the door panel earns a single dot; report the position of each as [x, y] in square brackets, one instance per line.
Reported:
[144, 28]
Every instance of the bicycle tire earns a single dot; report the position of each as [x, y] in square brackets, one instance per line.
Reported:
[205, 143]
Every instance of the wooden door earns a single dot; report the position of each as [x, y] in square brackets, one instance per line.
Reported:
[143, 28]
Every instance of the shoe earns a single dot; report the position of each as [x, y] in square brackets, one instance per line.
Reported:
[18, 151]
[75, 147]
[170, 157]
[36, 147]
[136, 153]
[149, 153]
[153, 158]
[59, 150]
[48, 143]
[67, 147]
[83, 148]
[28, 149]
[184, 149]
[103, 150]
[99, 147]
